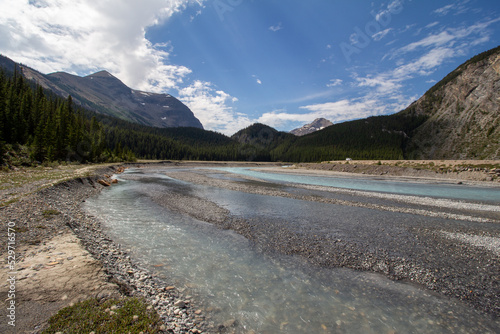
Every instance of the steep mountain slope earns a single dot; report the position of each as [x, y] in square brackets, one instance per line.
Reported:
[316, 125]
[106, 94]
[7, 64]
[463, 112]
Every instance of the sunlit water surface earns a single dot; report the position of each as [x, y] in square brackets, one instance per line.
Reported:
[263, 293]
[441, 190]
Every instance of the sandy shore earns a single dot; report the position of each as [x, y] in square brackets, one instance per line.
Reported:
[480, 172]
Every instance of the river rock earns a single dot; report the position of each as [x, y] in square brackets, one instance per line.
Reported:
[180, 304]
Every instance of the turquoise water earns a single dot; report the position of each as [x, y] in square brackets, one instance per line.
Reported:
[263, 293]
[450, 191]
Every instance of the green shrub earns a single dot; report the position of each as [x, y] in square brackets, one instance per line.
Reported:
[129, 315]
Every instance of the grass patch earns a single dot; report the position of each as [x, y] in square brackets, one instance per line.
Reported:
[9, 202]
[50, 213]
[129, 315]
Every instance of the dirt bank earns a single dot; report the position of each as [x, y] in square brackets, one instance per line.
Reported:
[52, 269]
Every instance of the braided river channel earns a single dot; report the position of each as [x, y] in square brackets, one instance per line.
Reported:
[260, 289]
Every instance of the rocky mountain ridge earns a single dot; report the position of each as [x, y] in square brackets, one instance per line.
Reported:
[463, 113]
[106, 94]
[316, 125]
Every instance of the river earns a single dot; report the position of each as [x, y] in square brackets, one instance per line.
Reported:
[242, 281]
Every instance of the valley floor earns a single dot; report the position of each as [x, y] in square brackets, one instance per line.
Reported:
[462, 260]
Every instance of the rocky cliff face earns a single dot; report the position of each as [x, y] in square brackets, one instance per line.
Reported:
[463, 113]
[316, 125]
[106, 94]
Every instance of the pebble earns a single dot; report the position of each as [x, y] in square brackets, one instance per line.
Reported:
[180, 304]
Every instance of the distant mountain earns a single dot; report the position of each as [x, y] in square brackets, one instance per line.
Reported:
[458, 118]
[260, 135]
[106, 94]
[316, 125]
[258, 140]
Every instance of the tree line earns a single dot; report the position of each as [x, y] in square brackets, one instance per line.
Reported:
[52, 128]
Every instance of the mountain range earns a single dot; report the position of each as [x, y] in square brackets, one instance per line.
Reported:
[458, 118]
[106, 94]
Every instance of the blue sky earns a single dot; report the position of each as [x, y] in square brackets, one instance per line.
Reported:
[236, 62]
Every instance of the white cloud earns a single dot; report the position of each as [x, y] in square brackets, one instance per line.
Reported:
[459, 7]
[381, 34]
[335, 83]
[444, 10]
[455, 38]
[433, 24]
[388, 85]
[213, 107]
[276, 28]
[257, 79]
[83, 36]
[440, 39]
[435, 49]
[345, 110]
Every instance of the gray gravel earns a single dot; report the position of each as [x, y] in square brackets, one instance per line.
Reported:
[490, 243]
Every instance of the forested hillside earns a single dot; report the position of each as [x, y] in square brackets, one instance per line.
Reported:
[50, 128]
[258, 140]
[381, 137]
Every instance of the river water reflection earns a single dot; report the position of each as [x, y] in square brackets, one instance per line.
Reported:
[267, 293]
[441, 190]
